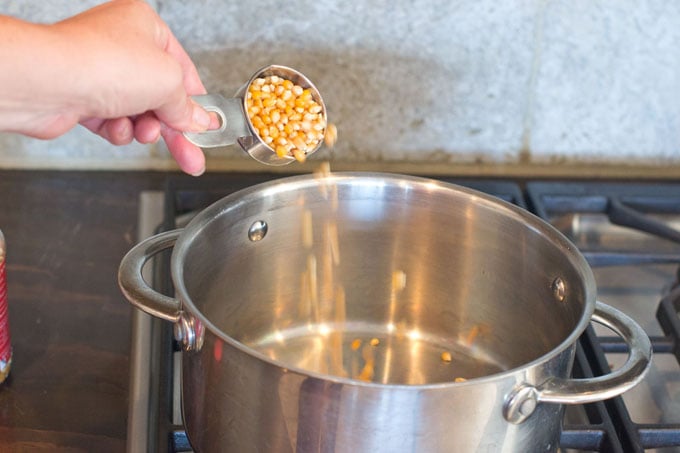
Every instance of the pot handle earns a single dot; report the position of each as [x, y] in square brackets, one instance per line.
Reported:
[520, 404]
[135, 288]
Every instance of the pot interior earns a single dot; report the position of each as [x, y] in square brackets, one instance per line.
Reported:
[387, 279]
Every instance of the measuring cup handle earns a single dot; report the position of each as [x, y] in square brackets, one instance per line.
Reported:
[232, 122]
[135, 288]
[523, 400]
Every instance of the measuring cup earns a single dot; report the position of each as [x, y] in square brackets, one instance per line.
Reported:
[235, 125]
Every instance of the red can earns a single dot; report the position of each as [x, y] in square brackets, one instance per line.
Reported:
[5, 345]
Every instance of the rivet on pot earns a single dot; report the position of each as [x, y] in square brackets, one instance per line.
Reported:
[520, 404]
[559, 289]
[189, 332]
[258, 230]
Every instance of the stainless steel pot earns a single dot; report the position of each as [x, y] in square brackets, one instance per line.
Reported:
[377, 313]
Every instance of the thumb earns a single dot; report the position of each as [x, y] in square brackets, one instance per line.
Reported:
[184, 115]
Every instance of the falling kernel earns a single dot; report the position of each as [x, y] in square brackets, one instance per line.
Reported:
[356, 344]
[375, 342]
[331, 135]
[398, 280]
[474, 331]
[446, 356]
[300, 156]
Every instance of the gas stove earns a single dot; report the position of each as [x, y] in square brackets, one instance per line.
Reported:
[628, 232]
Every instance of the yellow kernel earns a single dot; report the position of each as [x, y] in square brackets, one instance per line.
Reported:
[307, 229]
[306, 95]
[356, 344]
[398, 280]
[446, 356]
[474, 331]
[331, 135]
[281, 151]
[299, 155]
[375, 342]
[300, 143]
[459, 379]
[285, 115]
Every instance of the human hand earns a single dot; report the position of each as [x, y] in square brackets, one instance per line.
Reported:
[117, 69]
[145, 79]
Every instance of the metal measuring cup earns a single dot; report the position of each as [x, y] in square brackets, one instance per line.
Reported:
[235, 125]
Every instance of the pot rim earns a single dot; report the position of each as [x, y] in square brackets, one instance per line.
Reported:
[212, 212]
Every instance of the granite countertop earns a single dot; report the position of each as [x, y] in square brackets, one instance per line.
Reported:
[70, 325]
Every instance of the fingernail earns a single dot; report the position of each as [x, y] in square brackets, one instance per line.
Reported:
[201, 117]
[199, 172]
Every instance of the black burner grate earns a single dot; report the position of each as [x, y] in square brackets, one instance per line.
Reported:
[610, 427]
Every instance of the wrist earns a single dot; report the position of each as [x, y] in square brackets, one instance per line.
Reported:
[36, 89]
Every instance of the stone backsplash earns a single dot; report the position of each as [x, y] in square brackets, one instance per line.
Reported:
[482, 83]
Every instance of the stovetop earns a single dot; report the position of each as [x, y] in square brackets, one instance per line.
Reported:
[629, 233]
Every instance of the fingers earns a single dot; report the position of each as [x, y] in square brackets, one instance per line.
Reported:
[191, 79]
[179, 111]
[147, 128]
[118, 131]
[189, 157]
